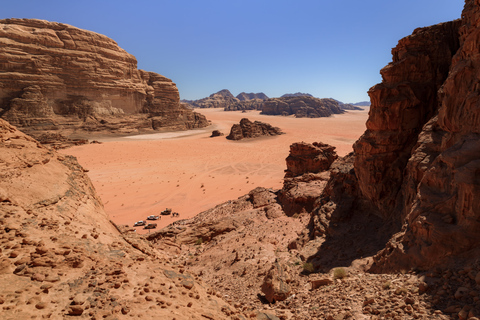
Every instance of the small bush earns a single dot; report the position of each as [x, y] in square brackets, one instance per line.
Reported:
[339, 273]
[308, 267]
[199, 241]
[386, 285]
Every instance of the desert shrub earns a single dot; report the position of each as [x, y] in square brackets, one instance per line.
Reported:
[199, 241]
[386, 285]
[339, 273]
[308, 267]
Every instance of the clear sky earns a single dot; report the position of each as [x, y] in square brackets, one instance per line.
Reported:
[328, 48]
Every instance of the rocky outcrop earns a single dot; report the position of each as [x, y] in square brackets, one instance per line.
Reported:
[306, 176]
[221, 99]
[301, 106]
[61, 256]
[251, 96]
[224, 99]
[56, 76]
[297, 94]
[247, 129]
[253, 104]
[305, 157]
[275, 284]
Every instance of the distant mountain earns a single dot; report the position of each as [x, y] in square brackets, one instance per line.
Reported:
[251, 96]
[301, 106]
[221, 99]
[362, 104]
[347, 106]
[298, 94]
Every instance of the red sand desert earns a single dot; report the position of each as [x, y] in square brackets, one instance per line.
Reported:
[190, 172]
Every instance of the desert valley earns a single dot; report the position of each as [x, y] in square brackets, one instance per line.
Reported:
[293, 207]
[138, 176]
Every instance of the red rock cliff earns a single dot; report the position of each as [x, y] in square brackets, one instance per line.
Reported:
[74, 72]
[417, 166]
[441, 187]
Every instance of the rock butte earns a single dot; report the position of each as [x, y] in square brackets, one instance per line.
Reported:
[58, 77]
[391, 233]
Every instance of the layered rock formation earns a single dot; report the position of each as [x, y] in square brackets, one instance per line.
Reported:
[306, 176]
[56, 76]
[306, 157]
[224, 99]
[301, 106]
[251, 96]
[60, 256]
[248, 129]
[220, 99]
[415, 167]
[440, 179]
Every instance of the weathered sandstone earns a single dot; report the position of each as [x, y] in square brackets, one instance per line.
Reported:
[301, 106]
[440, 185]
[220, 99]
[247, 129]
[55, 76]
[251, 96]
[306, 157]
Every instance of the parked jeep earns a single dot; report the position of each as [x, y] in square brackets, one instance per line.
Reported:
[150, 226]
[139, 223]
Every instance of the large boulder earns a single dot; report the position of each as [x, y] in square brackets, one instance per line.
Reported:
[248, 129]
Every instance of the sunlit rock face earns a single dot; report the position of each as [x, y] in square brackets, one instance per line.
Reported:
[53, 74]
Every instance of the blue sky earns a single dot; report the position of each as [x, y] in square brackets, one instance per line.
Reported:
[328, 48]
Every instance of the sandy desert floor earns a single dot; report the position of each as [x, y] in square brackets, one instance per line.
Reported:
[190, 172]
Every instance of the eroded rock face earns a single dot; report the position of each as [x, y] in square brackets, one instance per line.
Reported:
[301, 106]
[248, 129]
[441, 180]
[55, 75]
[404, 101]
[305, 157]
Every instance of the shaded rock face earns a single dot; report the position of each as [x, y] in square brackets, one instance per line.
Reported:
[441, 176]
[401, 105]
[54, 74]
[416, 166]
[249, 129]
[301, 106]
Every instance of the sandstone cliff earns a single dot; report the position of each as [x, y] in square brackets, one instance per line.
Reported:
[301, 106]
[416, 165]
[55, 76]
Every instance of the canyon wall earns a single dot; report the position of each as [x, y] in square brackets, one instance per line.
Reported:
[441, 178]
[417, 166]
[53, 74]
